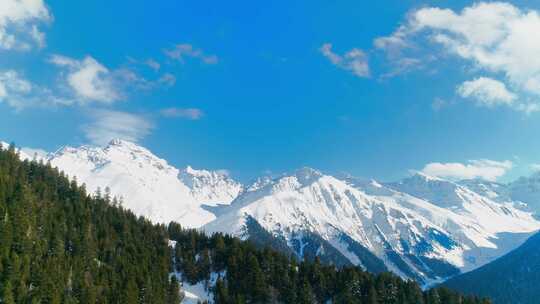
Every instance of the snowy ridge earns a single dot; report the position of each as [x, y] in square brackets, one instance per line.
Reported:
[148, 185]
[211, 187]
[406, 232]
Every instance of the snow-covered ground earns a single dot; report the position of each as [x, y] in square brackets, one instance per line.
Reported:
[199, 292]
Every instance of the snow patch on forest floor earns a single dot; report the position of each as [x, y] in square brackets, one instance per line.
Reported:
[202, 291]
[199, 292]
[196, 293]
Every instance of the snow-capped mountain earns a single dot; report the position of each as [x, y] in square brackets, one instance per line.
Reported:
[148, 185]
[498, 192]
[422, 227]
[211, 187]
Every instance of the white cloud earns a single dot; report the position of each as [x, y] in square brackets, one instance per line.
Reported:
[486, 91]
[81, 82]
[535, 167]
[153, 64]
[18, 23]
[167, 79]
[497, 38]
[13, 88]
[354, 61]
[108, 125]
[484, 169]
[395, 43]
[20, 93]
[89, 79]
[188, 113]
[181, 51]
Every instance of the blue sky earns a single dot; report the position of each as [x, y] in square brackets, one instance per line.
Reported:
[373, 89]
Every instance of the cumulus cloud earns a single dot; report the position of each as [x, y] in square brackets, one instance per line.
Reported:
[483, 168]
[187, 113]
[486, 91]
[497, 38]
[182, 51]
[108, 125]
[354, 61]
[19, 21]
[81, 82]
[19, 93]
[89, 79]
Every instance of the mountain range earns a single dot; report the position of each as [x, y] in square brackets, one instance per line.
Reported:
[422, 227]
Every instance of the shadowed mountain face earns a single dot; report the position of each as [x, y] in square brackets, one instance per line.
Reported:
[511, 279]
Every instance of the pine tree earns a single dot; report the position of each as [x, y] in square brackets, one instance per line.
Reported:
[7, 294]
[221, 292]
[173, 294]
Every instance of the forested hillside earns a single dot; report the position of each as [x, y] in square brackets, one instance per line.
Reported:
[60, 245]
[510, 279]
[251, 275]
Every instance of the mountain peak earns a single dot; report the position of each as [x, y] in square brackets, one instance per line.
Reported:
[118, 142]
[421, 176]
[307, 174]
[202, 172]
[122, 143]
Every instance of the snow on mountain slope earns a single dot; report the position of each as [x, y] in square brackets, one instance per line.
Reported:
[211, 187]
[488, 229]
[416, 237]
[497, 192]
[25, 153]
[148, 185]
[492, 216]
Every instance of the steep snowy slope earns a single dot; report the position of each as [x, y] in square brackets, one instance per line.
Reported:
[369, 224]
[211, 187]
[497, 192]
[495, 217]
[148, 185]
[489, 225]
